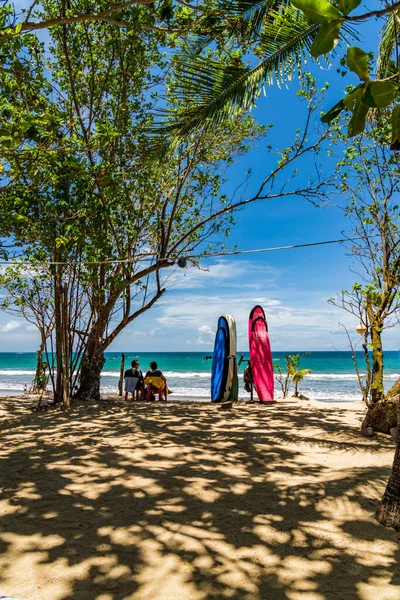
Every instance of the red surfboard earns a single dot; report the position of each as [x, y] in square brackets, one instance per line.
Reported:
[260, 355]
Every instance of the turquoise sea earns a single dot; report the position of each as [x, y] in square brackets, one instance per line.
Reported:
[332, 379]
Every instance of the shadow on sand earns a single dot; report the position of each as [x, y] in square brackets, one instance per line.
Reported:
[185, 502]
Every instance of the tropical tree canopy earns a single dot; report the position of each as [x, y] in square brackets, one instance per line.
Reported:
[225, 52]
[79, 198]
[270, 46]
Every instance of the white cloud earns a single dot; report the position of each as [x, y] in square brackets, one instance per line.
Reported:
[10, 326]
[294, 322]
[231, 272]
[206, 329]
[175, 321]
[206, 336]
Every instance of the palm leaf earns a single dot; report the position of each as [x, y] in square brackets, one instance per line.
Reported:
[386, 46]
[207, 91]
[211, 91]
[253, 12]
[299, 375]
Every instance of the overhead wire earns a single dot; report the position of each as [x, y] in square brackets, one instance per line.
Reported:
[149, 256]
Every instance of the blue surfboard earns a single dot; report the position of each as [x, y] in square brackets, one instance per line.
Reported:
[220, 364]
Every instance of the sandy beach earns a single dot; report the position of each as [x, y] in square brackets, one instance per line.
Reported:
[185, 501]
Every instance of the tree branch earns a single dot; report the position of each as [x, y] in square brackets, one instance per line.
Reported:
[100, 16]
[374, 13]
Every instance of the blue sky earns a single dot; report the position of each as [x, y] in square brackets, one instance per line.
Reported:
[292, 285]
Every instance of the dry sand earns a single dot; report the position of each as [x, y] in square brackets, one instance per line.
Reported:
[185, 501]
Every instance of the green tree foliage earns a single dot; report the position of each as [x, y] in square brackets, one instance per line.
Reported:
[273, 47]
[78, 196]
[369, 178]
[258, 42]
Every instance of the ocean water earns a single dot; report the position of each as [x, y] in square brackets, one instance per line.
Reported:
[188, 373]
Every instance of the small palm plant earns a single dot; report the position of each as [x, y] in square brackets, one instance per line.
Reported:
[292, 374]
[297, 377]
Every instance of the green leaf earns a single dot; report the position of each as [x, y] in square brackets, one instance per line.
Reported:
[333, 112]
[395, 145]
[317, 11]
[18, 28]
[346, 6]
[360, 111]
[327, 38]
[352, 97]
[368, 99]
[383, 92]
[357, 61]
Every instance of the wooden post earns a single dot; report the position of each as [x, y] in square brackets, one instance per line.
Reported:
[235, 381]
[121, 375]
[65, 362]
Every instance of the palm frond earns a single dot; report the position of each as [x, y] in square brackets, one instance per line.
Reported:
[207, 91]
[232, 15]
[211, 91]
[386, 46]
[195, 44]
[299, 375]
[253, 12]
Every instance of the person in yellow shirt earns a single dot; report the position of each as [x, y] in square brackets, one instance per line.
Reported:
[156, 382]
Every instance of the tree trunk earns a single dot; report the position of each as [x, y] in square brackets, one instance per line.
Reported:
[121, 375]
[382, 416]
[58, 395]
[377, 390]
[388, 513]
[65, 339]
[394, 390]
[89, 380]
[38, 382]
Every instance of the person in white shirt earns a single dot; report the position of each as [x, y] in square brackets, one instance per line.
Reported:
[133, 381]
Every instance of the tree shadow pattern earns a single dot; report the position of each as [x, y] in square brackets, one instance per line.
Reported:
[185, 502]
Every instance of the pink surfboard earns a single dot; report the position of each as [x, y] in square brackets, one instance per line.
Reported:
[260, 355]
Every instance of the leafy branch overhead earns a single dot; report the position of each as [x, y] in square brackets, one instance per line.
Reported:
[370, 93]
[280, 36]
[225, 51]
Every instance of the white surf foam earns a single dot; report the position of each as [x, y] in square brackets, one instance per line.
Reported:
[174, 374]
[11, 372]
[348, 376]
[6, 385]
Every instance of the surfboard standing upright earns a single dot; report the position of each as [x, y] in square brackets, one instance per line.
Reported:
[231, 377]
[223, 365]
[260, 355]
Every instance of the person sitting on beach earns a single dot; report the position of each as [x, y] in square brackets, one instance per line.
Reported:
[155, 382]
[133, 381]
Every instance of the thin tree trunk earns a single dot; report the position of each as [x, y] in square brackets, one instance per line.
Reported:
[37, 384]
[388, 513]
[121, 375]
[376, 326]
[65, 339]
[59, 337]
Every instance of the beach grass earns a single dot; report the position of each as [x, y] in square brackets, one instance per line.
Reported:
[176, 501]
